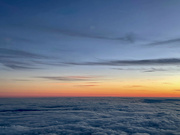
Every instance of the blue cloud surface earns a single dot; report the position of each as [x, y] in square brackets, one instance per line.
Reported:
[98, 116]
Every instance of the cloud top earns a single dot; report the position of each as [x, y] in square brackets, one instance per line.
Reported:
[92, 115]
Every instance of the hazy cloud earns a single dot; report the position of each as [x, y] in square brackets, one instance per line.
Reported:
[127, 38]
[69, 78]
[21, 80]
[142, 69]
[155, 70]
[13, 64]
[177, 90]
[176, 40]
[135, 86]
[86, 85]
[18, 59]
[8, 39]
[19, 67]
[144, 62]
[12, 53]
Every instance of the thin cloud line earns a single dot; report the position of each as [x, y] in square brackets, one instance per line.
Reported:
[143, 62]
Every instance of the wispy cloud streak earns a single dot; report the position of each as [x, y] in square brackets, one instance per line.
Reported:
[12, 53]
[170, 41]
[4, 38]
[86, 85]
[155, 70]
[143, 69]
[17, 65]
[18, 59]
[69, 78]
[129, 37]
[144, 62]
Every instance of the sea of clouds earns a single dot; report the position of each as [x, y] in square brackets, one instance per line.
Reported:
[90, 116]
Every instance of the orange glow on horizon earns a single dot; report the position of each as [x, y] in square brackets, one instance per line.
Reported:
[93, 93]
[92, 89]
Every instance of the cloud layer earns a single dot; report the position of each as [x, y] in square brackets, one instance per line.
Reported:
[97, 116]
[18, 59]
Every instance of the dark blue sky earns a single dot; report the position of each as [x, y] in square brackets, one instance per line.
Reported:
[42, 38]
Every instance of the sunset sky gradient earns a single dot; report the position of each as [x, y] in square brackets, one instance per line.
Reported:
[54, 48]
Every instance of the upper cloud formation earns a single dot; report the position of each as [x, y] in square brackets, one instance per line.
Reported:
[129, 37]
[18, 59]
[144, 62]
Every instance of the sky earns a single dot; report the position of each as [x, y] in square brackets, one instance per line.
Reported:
[59, 48]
